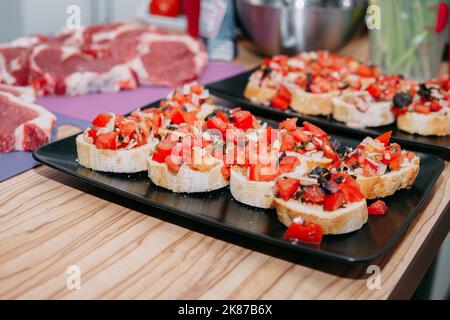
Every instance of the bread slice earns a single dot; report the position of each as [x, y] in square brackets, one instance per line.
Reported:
[187, 179]
[312, 103]
[117, 161]
[377, 113]
[259, 94]
[432, 124]
[387, 184]
[258, 194]
[344, 220]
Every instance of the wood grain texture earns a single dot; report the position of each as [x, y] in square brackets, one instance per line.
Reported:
[50, 221]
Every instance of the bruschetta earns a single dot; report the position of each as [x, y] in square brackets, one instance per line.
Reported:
[117, 143]
[427, 112]
[331, 200]
[381, 168]
[372, 106]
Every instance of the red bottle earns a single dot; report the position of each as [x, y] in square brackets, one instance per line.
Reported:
[192, 11]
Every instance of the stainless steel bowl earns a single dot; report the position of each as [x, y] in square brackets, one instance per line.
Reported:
[291, 26]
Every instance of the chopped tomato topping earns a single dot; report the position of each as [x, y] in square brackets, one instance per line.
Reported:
[289, 124]
[287, 187]
[421, 108]
[225, 170]
[315, 130]
[369, 171]
[288, 164]
[374, 91]
[365, 71]
[190, 117]
[282, 99]
[107, 141]
[313, 194]
[163, 149]
[395, 164]
[222, 116]
[435, 106]
[92, 134]
[379, 207]
[287, 142]
[300, 135]
[177, 117]
[243, 119]
[217, 123]
[385, 138]
[306, 232]
[173, 163]
[197, 89]
[101, 120]
[351, 192]
[261, 173]
[333, 201]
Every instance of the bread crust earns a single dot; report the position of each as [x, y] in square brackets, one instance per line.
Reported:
[312, 103]
[117, 161]
[340, 221]
[380, 186]
[378, 114]
[258, 194]
[259, 94]
[425, 124]
[186, 180]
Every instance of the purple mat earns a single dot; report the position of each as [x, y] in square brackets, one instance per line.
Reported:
[88, 106]
[13, 163]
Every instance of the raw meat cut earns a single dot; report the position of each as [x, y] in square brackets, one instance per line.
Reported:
[58, 69]
[14, 64]
[25, 126]
[168, 59]
[25, 93]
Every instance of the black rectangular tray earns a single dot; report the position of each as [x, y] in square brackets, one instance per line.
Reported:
[220, 210]
[233, 88]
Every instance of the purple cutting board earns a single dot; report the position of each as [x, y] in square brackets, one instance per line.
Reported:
[69, 110]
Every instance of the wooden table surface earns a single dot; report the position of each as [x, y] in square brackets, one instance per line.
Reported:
[50, 222]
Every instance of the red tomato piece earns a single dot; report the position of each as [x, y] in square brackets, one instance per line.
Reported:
[256, 173]
[216, 123]
[351, 192]
[289, 124]
[333, 201]
[287, 187]
[368, 171]
[315, 130]
[243, 119]
[173, 163]
[379, 207]
[306, 232]
[92, 134]
[435, 106]
[385, 138]
[101, 120]
[279, 103]
[222, 116]
[107, 141]
[421, 108]
[365, 71]
[313, 194]
[374, 91]
[190, 117]
[287, 142]
[169, 8]
[163, 149]
[177, 117]
[299, 135]
[225, 170]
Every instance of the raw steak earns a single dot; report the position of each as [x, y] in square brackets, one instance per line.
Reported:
[14, 64]
[67, 70]
[25, 93]
[168, 59]
[25, 126]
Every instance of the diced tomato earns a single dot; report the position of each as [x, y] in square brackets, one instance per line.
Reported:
[173, 163]
[313, 194]
[177, 117]
[101, 120]
[163, 149]
[306, 232]
[216, 123]
[365, 71]
[279, 103]
[284, 93]
[287, 187]
[289, 124]
[287, 164]
[315, 130]
[368, 171]
[333, 201]
[370, 163]
[257, 174]
[287, 142]
[92, 134]
[271, 135]
[352, 161]
[222, 116]
[399, 111]
[225, 170]
[374, 91]
[435, 106]
[385, 138]
[395, 164]
[391, 154]
[299, 135]
[126, 128]
[328, 151]
[190, 117]
[351, 192]
[379, 207]
[410, 155]
[243, 119]
[197, 89]
[107, 141]
[421, 108]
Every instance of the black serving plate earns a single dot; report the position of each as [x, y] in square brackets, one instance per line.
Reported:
[220, 210]
[233, 89]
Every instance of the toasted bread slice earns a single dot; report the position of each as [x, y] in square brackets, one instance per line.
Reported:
[344, 220]
[377, 113]
[258, 194]
[387, 184]
[186, 180]
[432, 124]
[259, 94]
[117, 161]
[312, 103]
